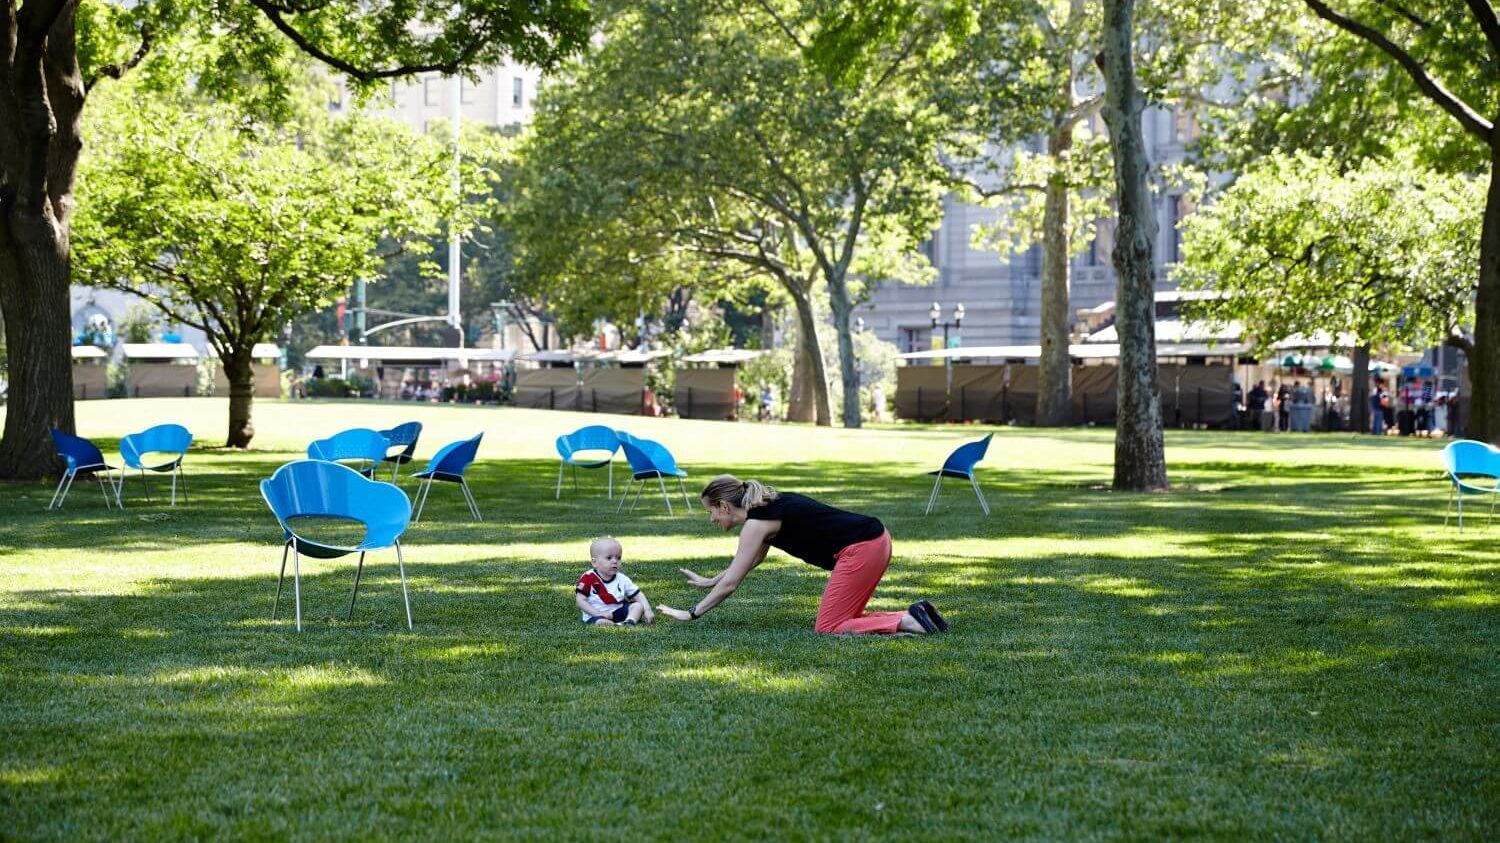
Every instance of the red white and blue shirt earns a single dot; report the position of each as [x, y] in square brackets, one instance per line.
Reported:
[604, 596]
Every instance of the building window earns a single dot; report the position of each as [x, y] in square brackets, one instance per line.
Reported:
[466, 91]
[1174, 216]
[916, 339]
[1184, 126]
[516, 90]
[432, 93]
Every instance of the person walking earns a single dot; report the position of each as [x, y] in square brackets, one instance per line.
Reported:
[854, 548]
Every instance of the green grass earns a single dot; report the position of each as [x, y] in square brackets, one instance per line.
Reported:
[1288, 645]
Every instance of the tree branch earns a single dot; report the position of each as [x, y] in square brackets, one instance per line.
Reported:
[1418, 20]
[1489, 23]
[1467, 117]
[274, 11]
[115, 71]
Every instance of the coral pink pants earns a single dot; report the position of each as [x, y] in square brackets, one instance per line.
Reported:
[856, 571]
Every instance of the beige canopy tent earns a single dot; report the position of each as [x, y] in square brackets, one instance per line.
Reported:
[586, 380]
[709, 393]
[265, 371]
[161, 369]
[388, 365]
[90, 372]
[1195, 381]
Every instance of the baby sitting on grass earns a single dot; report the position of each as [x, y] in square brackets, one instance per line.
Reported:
[605, 596]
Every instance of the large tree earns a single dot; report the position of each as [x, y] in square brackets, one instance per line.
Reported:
[236, 226]
[743, 149]
[1140, 458]
[56, 51]
[1382, 253]
[1423, 74]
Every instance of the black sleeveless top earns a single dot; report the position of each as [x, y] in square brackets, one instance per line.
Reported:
[815, 532]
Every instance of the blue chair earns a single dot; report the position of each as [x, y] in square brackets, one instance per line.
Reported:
[360, 445]
[449, 465]
[1464, 461]
[587, 447]
[81, 457]
[650, 460]
[961, 464]
[403, 436]
[319, 489]
[164, 440]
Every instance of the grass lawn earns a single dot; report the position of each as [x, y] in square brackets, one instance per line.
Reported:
[1289, 645]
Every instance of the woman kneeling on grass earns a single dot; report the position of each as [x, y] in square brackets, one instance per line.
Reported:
[855, 548]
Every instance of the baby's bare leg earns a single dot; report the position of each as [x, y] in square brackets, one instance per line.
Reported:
[636, 610]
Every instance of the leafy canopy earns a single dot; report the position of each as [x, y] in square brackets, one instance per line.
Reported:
[1384, 251]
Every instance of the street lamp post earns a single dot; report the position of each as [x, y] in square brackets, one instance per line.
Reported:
[957, 324]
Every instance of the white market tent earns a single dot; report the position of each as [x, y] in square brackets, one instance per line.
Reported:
[159, 351]
[724, 356]
[1079, 351]
[415, 356]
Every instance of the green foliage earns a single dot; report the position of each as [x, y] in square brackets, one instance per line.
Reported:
[140, 323]
[699, 147]
[1384, 251]
[237, 226]
[1340, 97]
[328, 388]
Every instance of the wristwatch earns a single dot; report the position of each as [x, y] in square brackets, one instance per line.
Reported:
[693, 613]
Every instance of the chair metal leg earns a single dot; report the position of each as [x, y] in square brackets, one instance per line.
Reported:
[357, 571]
[395, 470]
[57, 493]
[664, 496]
[297, 583]
[687, 501]
[1448, 507]
[119, 487]
[624, 496]
[611, 478]
[406, 598]
[99, 476]
[469, 496]
[933, 495]
[174, 486]
[560, 465]
[72, 478]
[182, 475]
[147, 484]
[983, 504]
[276, 605]
[638, 490]
[422, 499]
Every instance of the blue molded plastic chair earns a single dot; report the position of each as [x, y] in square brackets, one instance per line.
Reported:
[449, 465]
[593, 446]
[961, 463]
[164, 440]
[403, 436]
[650, 460]
[319, 489]
[81, 457]
[1464, 461]
[359, 445]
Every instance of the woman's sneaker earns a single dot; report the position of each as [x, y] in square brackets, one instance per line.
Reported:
[928, 625]
[932, 614]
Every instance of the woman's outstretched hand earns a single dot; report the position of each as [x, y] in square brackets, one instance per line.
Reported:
[678, 614]
[697, 579]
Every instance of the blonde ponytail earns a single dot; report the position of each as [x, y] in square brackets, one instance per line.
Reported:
[747, 494]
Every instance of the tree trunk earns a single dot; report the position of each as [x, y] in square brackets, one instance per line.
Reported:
[814, 384]
[1483, 422]
[34, 295]
[241, 377]
[838, 299]
[1054, 370]
[1359, 391]
[799, 401]
[1140, 460]
[40, 159]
